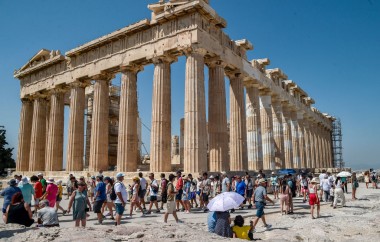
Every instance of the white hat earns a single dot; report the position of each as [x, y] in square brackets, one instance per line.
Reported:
[50, 180]
[118, 175]
[25, 180]
[272, 172]
[314, 180]
[211, 177]
[40, 174]
[59, 181]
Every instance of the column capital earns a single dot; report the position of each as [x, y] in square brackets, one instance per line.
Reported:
[103, 77]
[215, 62]
[82, 84]
[197, 51]
[233, 74]
[265, 92]
[134, 68]
[26, 100]
[39, 95]
[164, 59]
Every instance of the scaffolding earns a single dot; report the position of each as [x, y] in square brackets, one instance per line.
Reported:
[337, 144]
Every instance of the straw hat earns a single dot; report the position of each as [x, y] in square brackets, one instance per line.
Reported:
[50, 180]
[314, 180]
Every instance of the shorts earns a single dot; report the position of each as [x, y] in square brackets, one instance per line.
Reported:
[313, 199]
[119, 208]
[164, 197]
[59, 199]
[153, 198]
[192, 195]
[275, 188]
[142, 194]
[259, 209]
[249, 193]
[205, 197]
[178, 196]
[284, 198]
[170, 207]
[304, 189]
[198, 192]
[185, 197]
[98, 206]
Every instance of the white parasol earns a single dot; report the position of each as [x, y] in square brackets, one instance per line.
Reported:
[344, 174]
[225, 201]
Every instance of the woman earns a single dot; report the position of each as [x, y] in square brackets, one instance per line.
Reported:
[325, 183]
[284, 197]
[186, 195]
[59, 197]
[313, 198]
[304, 186]
[366, 178]
[135, 200]
[91, 184]
[79, 201]
[222, 227]
[338, 193]
[51, 192]
[354, 185]
[242, 231]
[19, 212]
[109, 203]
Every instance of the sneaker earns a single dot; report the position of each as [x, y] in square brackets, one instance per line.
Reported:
[128, 216]
[179, 222]
[158, 211]
[148, 212]
[98, 223]
[268, 226]
[254, 231]
[143, 215]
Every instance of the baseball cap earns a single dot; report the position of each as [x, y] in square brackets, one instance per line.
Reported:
[118, 175]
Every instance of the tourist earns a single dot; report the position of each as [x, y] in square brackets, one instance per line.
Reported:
[164, 190]
[211, 221]
[91, 184]
[59, 197]
[8, 193]
[292, 193]
[193, 190]
[259, 196]
[325, 186]
[100, 197]
[332, 192]
[171, 206]
[79, 201]
[366, 178]
[274, 183]
[344, 181]
[249, 185]
[354, 185]
[321, 177]
[339, 194]
[27, 190]
[37, 192]
[213, 187]
[121, 197]
[109, 203]
[51, 192]
[74, 184]
[186, 194]
[313, 198]
[17, 178]
[153, 192]
[262, 175]
[179, 189]
[43, 182]
[304, 182]
[284, 197]
[226, 185]
[222, 227]
[143, 185]
[240, 189]
[233, 184]
[242, 231]
[374, 180]
[199, 189]
[47, 216]
[135, 200]
[18, 211]
[68, 186]
[205, 191]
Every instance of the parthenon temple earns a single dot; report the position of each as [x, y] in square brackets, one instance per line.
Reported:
[272, 123]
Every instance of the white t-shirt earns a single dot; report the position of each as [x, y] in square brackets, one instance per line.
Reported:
[321, 177]
[119, 187]
[142, 183]
[154, 183]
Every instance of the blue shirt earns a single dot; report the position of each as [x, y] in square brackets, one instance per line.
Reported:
[27, 192]
[211, 222]
[240, 188]
[101, 188]
[8, 194]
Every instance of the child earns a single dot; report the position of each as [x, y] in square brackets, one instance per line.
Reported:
[240, 231]
[332, 196]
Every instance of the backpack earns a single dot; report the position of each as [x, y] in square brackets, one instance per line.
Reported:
[293, 188]
[113, 195]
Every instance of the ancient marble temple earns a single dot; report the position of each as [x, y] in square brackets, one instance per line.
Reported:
[274, 126]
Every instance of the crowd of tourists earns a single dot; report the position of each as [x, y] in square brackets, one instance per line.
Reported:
[27, 201]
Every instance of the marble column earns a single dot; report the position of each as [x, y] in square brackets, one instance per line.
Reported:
[217, 119]
[160, 139]
[267, 130]
[287, 130]
[312, 144]
[254, 142]
[54, 146]
[316, 145]
[301, 139]
[38, 136]
[278, 133]
[100, 124]
[306, 134]
[238, 128]
[75, 144]
[23, 152]
[195, 145]
[127, 139]
[295, 140]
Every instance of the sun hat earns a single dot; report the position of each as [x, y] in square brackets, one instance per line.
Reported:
[25, 180]
[118, 175]
[262, 180]
[59, 181]
[211, 177]
[40, 174]
[50, 180]
[314, 180]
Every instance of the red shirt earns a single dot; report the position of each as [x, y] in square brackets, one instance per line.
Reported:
[179, 184]
[38, 189]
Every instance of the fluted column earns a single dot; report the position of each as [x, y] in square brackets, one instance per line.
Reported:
[38, 136]
[160, 139]
[330, 149]
[295, 140]
[75, 143]
[217, 119]
[278, 133]
[100, 123]
[23, 152]
[301, 139]
[316, 145]
[287, 130]
[267, 130]
[128, 140]
[54, 146]
[312, 144]
[254, 142]
[306, 134]
[238, 128]
[195, 145]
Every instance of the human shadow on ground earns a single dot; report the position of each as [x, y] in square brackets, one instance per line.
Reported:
[10, 233]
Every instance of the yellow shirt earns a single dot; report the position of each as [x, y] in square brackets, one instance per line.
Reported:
[241, 232]
[60, 190]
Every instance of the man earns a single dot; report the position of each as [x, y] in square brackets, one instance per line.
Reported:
[143, 187]
[47, 216]
[205, 190]
[226, 185]
[68, 186]
[43, 182]
[27, 190]
[321, 177]
[274, 183]
[179, 189]
[121, 197]
[37, 191]
[153, 194]
[259, 196]
[240, 188]
[171, 207]
[164, 192]
[100, 198]
[193, 190]
[262, 175]
[8, 193]
[293, 189]
[249, 189]
[17, 178]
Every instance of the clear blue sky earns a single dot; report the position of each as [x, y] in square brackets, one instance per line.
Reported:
[330, 48]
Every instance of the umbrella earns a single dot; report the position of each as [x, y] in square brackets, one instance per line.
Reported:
[225, 201]
[344, 174]
[287, 171]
